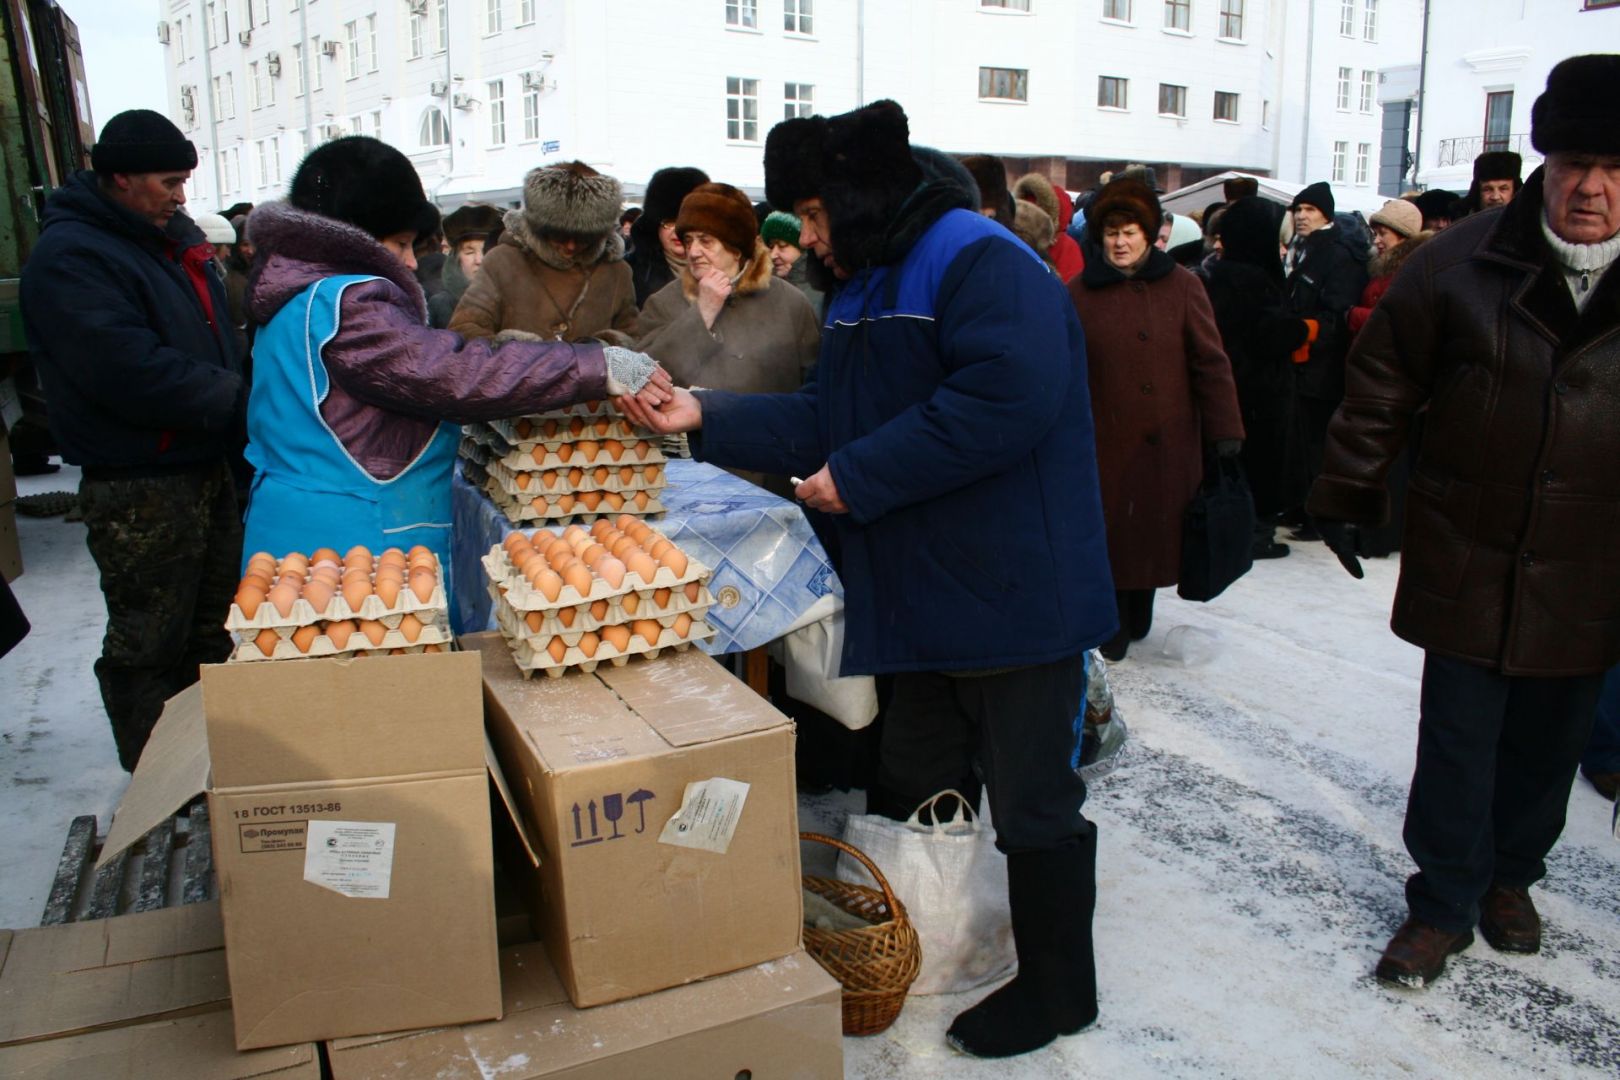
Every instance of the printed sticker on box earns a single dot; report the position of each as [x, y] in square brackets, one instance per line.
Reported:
[355, 858]
[707, 819]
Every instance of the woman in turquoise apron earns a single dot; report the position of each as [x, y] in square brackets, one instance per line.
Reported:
[354, 411]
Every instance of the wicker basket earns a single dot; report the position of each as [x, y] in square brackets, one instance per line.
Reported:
[876, 964]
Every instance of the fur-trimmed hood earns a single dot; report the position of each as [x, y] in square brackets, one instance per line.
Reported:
[1387, 264]
[295, 248]
[755, 277]
[521, 235]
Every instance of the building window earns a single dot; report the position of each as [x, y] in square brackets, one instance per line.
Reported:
[1265, 113]
[1172, 100]
[1339, 151]
[525, 12]
[1009, 5]
[492, 16]
[1004, 84]
[743, 13]
[531, 113]
[376, 125]
[497, 112]
[1594, 5]
[1498, 119]
[253, 85]
[1343, 97]
[1347, 18]
[351, 35]
[1117, 10]
[418, 34]
[1226, 106]
[1178, 14]
[354, 125]
[316, 75]
[798, 99]
[1369, 20]
[441, 42]
[797, 16]
[264, 162]
[1232, 19]
[224, 97]
[1369, 90]
[371, 43]
[298, 69]
[1111, 92]
[435, 129]
[1363, 159]
[742, 109]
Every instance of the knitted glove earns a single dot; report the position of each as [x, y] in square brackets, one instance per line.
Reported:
[627, 370]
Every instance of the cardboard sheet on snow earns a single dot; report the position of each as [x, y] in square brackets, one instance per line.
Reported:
[189, 1048]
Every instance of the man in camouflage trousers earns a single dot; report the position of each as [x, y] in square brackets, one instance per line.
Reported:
[132, 338]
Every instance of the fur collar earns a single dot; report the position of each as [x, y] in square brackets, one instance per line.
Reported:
[755, 278]
[294, 248]
[1100, 273]
[1387, 264]
[521, 235]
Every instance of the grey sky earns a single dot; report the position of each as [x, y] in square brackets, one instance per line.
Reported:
[123, 60]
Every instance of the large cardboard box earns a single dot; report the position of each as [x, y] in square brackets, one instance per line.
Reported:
[192, 1048]
[770, 1022]
[351, 839]
[627, 900]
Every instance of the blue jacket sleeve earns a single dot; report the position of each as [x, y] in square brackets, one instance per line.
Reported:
[1005, 347]
[770, 433]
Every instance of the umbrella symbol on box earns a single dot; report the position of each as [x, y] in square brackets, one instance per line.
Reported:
[640, 797]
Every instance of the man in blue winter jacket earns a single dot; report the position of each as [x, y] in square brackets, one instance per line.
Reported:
[130, 329]
[946, 433]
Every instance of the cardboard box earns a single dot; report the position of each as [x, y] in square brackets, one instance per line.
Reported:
[104, 973]
[774, 1020]
[351, 838]
[598, 765]
[194, 1047]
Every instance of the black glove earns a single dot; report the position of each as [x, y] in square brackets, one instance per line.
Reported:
[1228, 448]
[1342, 538]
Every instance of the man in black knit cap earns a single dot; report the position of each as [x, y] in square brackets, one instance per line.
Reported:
[132, 337]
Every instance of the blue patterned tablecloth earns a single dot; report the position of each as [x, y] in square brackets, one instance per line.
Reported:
[768, 566]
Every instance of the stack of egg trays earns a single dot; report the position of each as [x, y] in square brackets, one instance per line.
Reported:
[515, 599]
[433, 613]
[537, 467]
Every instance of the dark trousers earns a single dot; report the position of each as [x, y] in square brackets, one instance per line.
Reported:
[1018, 727]
[169, 548]
[1496, 759]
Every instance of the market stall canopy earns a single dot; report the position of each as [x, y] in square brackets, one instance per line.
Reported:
[1197, 196]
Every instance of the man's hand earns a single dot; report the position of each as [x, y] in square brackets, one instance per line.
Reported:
[820, 493]
[1342, 538]
[713, 288]
[681, 412]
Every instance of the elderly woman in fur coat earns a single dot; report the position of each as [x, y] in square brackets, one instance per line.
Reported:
[558, 272]
[1161, 392]
[1397, 231]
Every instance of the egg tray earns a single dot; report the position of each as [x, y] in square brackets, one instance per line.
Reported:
[473, 450]
[513, 628]
[521, 511]
[551, 431]
[520, 483]
[474, 473]
[525, 597]
[432, 610]
[249, 652]
[531, 660]
[564, 456]
[613, 613]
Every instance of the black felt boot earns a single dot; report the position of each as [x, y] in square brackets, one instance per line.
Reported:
[1053, 895]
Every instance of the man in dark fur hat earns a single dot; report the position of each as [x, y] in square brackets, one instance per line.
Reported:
[1507, 565]
[995, 200]
[951, 382]
[1496, 180]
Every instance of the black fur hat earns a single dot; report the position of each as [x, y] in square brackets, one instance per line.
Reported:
[1436, 204]
[990, 174]
[366, 183]
[858, 163]
[474, 221]
[1498, 165]
[662, 202]
[1579, 111]
[1250, 229]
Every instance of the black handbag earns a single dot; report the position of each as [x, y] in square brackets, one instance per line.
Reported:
[1217, 532]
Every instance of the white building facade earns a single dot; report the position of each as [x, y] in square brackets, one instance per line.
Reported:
[478, 92]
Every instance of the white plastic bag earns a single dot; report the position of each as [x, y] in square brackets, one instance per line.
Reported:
[953, 883]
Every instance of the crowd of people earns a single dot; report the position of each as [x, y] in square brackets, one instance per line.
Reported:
[1001, 397]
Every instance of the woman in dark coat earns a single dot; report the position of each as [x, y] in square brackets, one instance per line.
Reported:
[1161, 392]
[656, 255]
[1248, 292]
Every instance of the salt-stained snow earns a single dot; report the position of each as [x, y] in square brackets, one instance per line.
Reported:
[1250, 861]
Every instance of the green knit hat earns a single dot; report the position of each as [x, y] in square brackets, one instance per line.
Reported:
[779, 225]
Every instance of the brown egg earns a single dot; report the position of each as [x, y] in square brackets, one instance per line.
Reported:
[661, 598]
[627, 474]
[421, 556]
[294, 562]
[327, 572]
[262, 558]
[641, 448]
[396, 652]
[683, 624]
[523, 480]
[675, 559]
[565, 503]
[359, 555]
[373, 630]
[693, 590]
[539, 455]
[658, 548]
[599, 475]
[610, 570]
[411, 627]
[388, 590]
[652, 473]
[590, 500]
[621, 546]
[557, 649]
[623, 522]
[618, 636]
[576, 476]
[587, 449]
[523, 428]
[642, 566]
[423, 582]
[576, 426]
[281, 598]
[549, 429]
[549, 584]
[559, 558]
[325, 554]
[588, 643]
[612, 500]
[548, 479]
[640, 499]
[305, 636]
[392, 557]
[338, 633]
[614, 448]
[599, 609]
[257, 576]
[592, 554]
[567, 615]
[577, 576]
[602, 424]
[523, 559]
[600, 526]
[432, 648]
[355, 591]
[540, 504]
[630, 602]
[390, 572]
[533, 620]
[574, 533]
[647, 629]
[249, 595]
[267, 640]
[319, 596]
[643, 535]
[565, 452]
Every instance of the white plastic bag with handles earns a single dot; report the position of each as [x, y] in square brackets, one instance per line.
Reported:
[953, 883]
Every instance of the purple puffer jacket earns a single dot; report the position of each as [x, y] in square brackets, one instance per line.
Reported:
[393, 379]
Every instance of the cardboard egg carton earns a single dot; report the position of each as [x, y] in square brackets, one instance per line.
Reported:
[471, 449]
[432, 610]
[575, 479]
[529, 431]
[474, 473]
[531, 659]
[247, 649]
[561, 509]
[587, 453]
[622, 607]
[517, 592]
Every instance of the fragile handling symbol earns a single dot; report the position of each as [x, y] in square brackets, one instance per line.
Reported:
[612, 812]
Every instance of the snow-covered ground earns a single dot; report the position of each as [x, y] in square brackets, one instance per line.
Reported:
[1250, 863]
